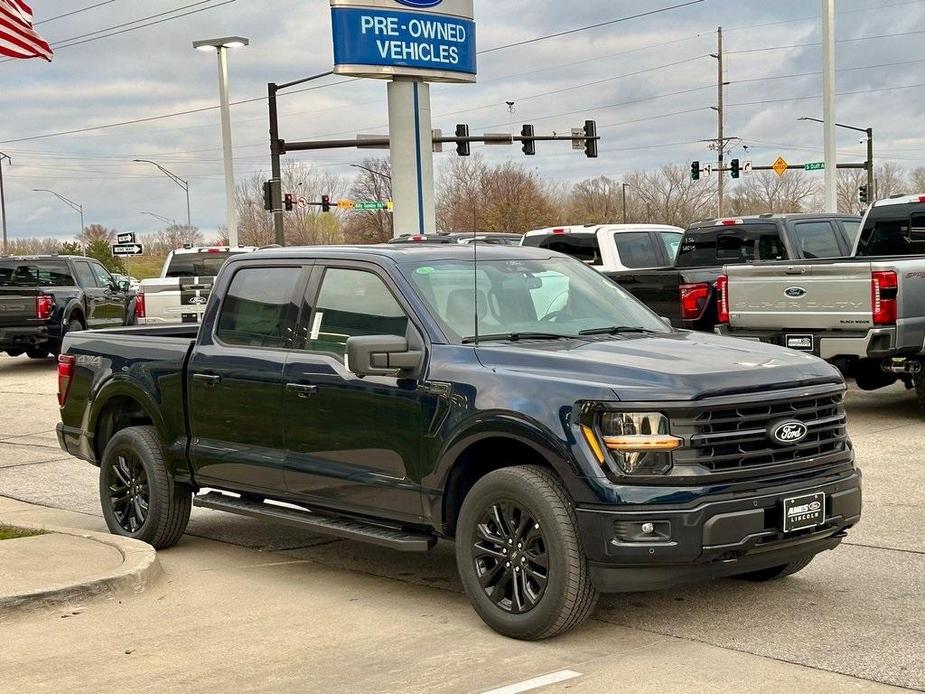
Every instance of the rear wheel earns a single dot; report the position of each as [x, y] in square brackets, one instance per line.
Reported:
[138, 497]
[519, 555]
[775, 572]
[37, 353]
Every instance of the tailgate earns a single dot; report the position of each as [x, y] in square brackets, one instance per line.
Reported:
[180, 300]
[833, 296]
[17, 306]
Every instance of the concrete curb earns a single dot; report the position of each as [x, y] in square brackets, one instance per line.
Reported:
[139, 570]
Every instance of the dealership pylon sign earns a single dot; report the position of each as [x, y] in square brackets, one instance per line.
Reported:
[433, 40]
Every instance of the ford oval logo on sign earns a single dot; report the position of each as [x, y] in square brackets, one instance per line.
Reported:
[788, 433]
[795, 292]
[419, 3]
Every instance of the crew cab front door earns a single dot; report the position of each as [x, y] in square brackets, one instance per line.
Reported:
[352, 444]
[235, 382]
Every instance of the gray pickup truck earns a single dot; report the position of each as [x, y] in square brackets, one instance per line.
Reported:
[865, 313]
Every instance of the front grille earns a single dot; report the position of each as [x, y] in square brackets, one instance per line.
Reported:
[731, 438]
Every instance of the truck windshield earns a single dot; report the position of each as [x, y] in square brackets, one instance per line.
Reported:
[524, 297]
[581, 246]
[35, 273]
[205, 264]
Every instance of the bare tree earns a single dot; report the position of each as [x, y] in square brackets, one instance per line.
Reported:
[96, 232]
[34, 246]
[160, 243]
[669, 196]
[849, 182]
[891, 180]
[765, 192]
[373, 184]
[458, 195]
[917, 180]
[595, 201]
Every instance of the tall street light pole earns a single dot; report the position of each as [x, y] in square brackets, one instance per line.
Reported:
[70, 203]
[221, 46]
[3, 201]
[828, 104]
[176, 179]
[869, 136]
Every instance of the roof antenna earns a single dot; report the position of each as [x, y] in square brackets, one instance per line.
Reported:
[475, 276]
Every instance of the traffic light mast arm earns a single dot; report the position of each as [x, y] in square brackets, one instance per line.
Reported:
[374, 142]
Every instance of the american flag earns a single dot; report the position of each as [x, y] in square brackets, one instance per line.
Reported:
[17, 37]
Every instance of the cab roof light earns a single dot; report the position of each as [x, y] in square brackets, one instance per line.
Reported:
[559, 231]
[922, 198]
[732, 222]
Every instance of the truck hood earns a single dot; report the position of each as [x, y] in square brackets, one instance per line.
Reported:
[675, 366]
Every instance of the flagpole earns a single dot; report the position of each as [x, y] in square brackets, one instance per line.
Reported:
[6, 248]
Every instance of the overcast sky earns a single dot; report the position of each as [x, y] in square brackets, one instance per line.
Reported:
[649, 83]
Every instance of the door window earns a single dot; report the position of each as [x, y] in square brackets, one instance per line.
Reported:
[103, 278]
[84, 275]
[817, 240]
[259, 310]
[353, 303]
[637, 249]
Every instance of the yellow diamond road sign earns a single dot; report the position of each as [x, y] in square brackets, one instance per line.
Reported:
[780, 166]
[345, 204]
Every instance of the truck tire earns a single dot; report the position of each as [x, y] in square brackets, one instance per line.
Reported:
[139, 498]
[919, 381]
[37, 353]
[519, 555]
[776, 572]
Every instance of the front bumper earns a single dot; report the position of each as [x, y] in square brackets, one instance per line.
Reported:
[827, 344]
[711, 539]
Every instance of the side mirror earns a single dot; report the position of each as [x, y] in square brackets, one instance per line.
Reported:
[123, 285]
[667, 321]
[382, 355]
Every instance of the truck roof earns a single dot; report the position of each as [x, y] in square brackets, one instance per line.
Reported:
[44, 256]
[759, 218]
[900, 200]
[398, 253]
[594, 228]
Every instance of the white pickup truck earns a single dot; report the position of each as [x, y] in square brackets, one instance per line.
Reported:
[612, 247]
[182, 291]
[865, 313]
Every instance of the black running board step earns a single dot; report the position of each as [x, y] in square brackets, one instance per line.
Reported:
[348, 529]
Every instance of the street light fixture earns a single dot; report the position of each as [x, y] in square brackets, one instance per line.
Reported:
[221, 46]
[373, 171]
[165, 220]
[70, 203]
[176, 179]
[869, 133]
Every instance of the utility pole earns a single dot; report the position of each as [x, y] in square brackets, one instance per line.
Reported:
[625, 186]
[3, 201]
[720, 140]
[828, 103]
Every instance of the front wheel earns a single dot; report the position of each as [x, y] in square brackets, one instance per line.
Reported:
[519, 555]
[139, 498]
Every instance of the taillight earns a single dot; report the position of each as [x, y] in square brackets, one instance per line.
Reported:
[722, 299]
[67, 363]
[884, 289]
[140, 305]
[44, 305]
[694, 299]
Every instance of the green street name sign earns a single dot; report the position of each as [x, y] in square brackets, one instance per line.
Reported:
[814, 166]
[370, 206]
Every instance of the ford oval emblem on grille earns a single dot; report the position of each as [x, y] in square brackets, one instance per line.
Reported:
[795, 292]
[787, 433]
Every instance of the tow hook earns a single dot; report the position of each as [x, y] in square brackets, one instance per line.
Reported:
[902, 367]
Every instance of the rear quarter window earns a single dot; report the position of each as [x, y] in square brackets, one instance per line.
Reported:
[35, 273]
[583, 247]
[731, 245]
[894, 230]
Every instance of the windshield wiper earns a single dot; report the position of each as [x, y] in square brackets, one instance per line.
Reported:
[615, 330]
[514, 337]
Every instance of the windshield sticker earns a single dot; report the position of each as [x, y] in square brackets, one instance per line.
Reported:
[426, 270]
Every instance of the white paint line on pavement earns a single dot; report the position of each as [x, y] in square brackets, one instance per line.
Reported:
[536, 682]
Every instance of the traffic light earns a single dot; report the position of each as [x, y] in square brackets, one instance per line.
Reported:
[863, 195]
[529, 143]
[325, 203]
[289, 202]
[463, 149]
[591, 139]
[736, 168]
[268, 195]
[695, 170]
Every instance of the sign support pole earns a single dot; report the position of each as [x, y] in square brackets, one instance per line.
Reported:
[828, 103]
[411, 141]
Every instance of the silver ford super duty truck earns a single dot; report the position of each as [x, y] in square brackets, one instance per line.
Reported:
[865, 314]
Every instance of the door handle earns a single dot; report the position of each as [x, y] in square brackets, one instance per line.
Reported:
[207, 379]
[302, 390]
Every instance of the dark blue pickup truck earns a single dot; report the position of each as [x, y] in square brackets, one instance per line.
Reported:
[564, 436]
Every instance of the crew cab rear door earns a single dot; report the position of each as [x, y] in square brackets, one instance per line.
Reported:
[824, 296]
[353, 444]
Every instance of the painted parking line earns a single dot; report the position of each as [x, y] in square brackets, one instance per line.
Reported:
[536, 682]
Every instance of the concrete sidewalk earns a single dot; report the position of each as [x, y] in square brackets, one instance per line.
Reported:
[231, 618]
[66, 565]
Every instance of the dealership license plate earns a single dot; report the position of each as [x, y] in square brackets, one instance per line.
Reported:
[801, 512]
[804, 343]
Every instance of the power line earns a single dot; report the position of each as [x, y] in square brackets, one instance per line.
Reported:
[818, 72]
[72, 13]
[818, 43]
[590, 26]
[819, 96]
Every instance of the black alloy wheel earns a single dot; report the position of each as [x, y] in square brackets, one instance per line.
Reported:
[129, 493]
[510, 556]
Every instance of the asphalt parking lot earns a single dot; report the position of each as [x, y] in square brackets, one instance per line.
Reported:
[296, 612]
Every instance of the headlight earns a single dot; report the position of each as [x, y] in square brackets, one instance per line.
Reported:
[639, 442]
